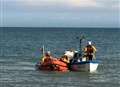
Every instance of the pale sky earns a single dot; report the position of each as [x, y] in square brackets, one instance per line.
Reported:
[59, 13]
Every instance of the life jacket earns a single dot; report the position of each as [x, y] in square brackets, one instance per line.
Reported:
[89, 49]
[47, 60]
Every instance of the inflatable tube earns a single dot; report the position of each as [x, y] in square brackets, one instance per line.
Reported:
[58, 62]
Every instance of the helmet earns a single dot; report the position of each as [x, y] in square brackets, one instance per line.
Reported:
[76, 51]
[89, 43]
[48, 52]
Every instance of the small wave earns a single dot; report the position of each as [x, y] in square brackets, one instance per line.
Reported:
[5, 79]
[17, 68]
[2, 60]
[26, 63]
[99, 79]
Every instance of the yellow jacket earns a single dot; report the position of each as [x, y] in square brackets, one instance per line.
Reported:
[94, 49]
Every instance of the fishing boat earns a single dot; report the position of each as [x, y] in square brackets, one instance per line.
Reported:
[81, 63]
[87, 66]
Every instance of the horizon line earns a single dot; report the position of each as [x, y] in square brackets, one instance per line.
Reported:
[59, 27]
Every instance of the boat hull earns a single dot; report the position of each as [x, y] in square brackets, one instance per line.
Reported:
[54, 65]
[89, 66]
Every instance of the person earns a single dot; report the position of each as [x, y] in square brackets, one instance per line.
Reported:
[47, 57]
[69, 53]
[65, 59]
[90, 51]
[47, 61]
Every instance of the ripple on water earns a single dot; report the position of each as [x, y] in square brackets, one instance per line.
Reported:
[5, 67]
[26, 63]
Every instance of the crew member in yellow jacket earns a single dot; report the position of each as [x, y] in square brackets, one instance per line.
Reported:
[90, 51]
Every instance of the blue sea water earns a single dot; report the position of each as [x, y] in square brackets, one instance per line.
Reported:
[17, 62]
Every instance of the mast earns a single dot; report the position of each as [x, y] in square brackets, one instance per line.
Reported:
[80, 45]
[43, 50]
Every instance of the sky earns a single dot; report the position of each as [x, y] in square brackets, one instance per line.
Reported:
[59, 13]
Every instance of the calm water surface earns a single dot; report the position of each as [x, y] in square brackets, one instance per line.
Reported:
[17, 64]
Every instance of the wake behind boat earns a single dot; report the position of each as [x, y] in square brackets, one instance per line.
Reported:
[71, 60]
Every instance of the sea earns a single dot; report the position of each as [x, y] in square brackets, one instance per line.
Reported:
[20, 51]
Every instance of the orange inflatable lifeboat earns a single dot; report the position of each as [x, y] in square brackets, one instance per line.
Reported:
[53, 65]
